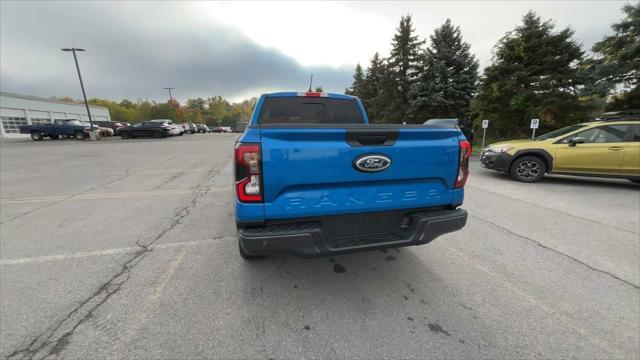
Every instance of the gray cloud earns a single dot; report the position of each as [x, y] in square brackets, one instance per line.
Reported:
[134, 50]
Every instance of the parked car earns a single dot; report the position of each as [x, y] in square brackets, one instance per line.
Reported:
[202, 128]
[113, 125]
[193, 128]
[315, 178]
[60, 127]
[240, 127]
[217, 129]
[174, 130]
[145, 129]
[468, 133]
[103, 131]
[604, 148]
[184, 128]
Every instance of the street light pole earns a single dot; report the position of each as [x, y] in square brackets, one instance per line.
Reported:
[86, 103]
[169, 88]
[171, 101]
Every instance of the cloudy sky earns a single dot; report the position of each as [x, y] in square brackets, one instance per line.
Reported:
[238, 50]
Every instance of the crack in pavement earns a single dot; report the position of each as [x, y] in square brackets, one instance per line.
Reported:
[556, 210]
[168, 180]
[557, 252]
[53, 340]
[167, 159]
[69, 198]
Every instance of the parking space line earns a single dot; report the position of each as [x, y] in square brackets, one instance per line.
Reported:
[84, 254]
[103, 196]
[141, 172]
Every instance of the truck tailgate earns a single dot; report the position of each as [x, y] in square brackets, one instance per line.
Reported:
[310, 171]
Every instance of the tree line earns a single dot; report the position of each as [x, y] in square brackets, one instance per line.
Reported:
[536, 71]
[215, 110]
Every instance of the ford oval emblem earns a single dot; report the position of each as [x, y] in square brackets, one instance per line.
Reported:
[372, 162]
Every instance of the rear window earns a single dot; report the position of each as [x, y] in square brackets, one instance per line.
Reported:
[306, 110]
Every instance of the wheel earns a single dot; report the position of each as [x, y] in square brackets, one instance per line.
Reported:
[36, 135]
[246, 256]
[54, 137]
[78, 135]
[157, 134]
[528, 169]
[124, 134]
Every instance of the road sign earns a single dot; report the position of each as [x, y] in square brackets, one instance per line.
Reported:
[485, 125]
[535, 123]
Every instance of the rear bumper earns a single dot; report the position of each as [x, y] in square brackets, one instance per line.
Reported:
[309, 239]
[496, 161]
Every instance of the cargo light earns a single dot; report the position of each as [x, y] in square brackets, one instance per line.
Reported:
[463, 164]
[248, 172]
[313, 94]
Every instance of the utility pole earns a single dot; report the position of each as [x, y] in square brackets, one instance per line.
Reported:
[171, 101]
[86, 103]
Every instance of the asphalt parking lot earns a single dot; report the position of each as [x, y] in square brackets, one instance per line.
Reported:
[127, 249]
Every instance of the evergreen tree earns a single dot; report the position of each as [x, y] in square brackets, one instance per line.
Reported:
[357, 86]
[446, 85]
[618, 61]
[402, 70]
[373, 96]
[535, 74]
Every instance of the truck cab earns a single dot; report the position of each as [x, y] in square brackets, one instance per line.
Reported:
[60, 127]
[313, 177]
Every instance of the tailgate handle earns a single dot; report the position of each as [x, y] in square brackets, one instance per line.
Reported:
[371, 137]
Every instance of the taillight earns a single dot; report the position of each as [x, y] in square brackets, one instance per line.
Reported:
[463, 164]
[248, 173]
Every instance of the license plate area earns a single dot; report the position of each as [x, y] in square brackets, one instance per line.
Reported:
[353, 225]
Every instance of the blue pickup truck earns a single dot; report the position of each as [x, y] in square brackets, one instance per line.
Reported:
[60, 127]
[313, 178]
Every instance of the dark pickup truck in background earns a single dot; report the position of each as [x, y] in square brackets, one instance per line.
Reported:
[60, 127]
[313, 177]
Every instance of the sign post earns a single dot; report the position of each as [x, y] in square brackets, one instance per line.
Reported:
[534, 125]
[485, 125]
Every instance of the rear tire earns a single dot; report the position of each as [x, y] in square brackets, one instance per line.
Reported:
[79, 135]
[36, 135]
[157, 134]
[528, 169]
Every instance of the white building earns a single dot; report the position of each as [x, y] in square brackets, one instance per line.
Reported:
[16, 110]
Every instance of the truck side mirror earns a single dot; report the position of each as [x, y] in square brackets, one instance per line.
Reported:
[576, 140]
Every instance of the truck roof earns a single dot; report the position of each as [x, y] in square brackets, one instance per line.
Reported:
[311, 94]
